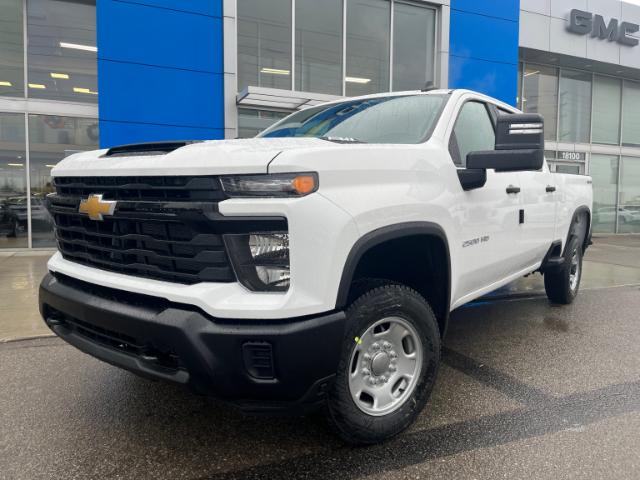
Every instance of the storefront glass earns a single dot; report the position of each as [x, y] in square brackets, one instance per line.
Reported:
[629, 211]
[62, 50]
[13, 181]
[11, 49]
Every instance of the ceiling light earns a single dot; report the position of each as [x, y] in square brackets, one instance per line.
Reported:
[77, 46]
[37, 86]
[16, 164]
[60, 75]
[275, 71]
[84, 90]
[531, 73]
[50, 166]
[357, 80]
[5, 84]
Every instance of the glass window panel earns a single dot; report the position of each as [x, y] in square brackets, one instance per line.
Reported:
[368, 32]
[51, 138]
[13, 181]
[572, 169]
[473, 132]
[319, 46]
[540, 95]
[631, 114]
[252, 122]
[604, 171]
[575, 106]
[62, 50]
[264, 43]
[413, 46]
[629, 209]
[606, 110]
[519, 98]
[11, 49]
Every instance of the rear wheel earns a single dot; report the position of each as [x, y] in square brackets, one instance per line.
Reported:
[388, 366]
[562, 284]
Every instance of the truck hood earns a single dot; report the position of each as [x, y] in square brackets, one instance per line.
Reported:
[217, 157]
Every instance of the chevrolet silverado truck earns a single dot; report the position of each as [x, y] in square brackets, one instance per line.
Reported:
[316, 264]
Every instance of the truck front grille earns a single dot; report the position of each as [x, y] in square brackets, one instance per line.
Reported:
[165, 228]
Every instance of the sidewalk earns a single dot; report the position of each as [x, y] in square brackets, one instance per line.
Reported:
[610, 261]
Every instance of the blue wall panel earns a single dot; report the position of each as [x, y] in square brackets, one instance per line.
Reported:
[160, 70]
[507, 9]
[483, 47]
[156, 36]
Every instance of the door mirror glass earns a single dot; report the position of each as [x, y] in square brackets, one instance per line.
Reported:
[519, 145]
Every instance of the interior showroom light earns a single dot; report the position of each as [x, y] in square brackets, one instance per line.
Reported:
[357, 80]
[77, 46]
[275, 71]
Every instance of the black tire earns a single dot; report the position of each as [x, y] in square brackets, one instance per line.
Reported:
[15, 227]
[557, 283]
[352, 424]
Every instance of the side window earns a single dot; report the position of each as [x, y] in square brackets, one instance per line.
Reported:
[473, 131]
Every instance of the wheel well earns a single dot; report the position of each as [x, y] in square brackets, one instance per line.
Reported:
[580, 228]
[420, 262]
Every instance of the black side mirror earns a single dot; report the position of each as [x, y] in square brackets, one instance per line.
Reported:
[519, 145]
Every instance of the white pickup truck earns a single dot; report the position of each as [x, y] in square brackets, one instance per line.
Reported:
[316, 264]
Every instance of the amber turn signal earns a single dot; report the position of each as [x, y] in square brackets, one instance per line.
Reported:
[304, 184]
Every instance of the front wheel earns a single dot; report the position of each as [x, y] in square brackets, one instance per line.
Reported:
[562, 285]
[388, 366]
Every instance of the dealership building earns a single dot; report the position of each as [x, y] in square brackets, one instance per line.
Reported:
[75, 75]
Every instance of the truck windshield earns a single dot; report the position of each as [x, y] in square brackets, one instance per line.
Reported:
[394, 119]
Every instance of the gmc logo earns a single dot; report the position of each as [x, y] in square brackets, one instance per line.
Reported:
[583, 23]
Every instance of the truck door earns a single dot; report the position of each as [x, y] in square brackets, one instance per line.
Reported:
[487, 217]
[539, 199]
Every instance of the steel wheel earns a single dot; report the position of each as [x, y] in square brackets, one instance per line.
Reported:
[385, 365]
[574, 270]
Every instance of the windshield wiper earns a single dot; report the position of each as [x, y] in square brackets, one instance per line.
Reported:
[341, 139]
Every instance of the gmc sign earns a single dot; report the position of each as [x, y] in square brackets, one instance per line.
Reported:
[584, 23]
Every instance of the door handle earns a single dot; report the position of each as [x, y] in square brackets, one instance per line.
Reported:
[551, 188]
[513, 189]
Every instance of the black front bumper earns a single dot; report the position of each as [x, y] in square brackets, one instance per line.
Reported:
[259, 365]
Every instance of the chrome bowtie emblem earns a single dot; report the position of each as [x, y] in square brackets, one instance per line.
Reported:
[97, 208]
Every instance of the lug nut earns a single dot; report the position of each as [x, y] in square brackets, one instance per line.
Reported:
[393, 368]
[366, 356]
[386, 345]
[375, 346]
[393, 354]
[366, 371]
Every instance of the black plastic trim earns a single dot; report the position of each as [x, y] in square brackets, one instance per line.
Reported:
[586, 241]
[148, 148]
[209, 350]
[384, 234]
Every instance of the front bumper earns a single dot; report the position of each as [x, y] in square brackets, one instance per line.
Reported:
[257, 365]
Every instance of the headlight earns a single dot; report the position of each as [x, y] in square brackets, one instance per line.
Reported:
[279, 185]
[261, 260]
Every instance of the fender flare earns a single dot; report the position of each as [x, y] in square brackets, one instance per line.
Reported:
[586, 241]
[384, 234]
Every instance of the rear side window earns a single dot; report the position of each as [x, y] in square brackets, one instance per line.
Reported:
[473, 131]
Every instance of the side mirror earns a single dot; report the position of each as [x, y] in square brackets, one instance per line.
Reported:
[519, 145]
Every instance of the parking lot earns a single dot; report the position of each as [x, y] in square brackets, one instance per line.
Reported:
[526, 389]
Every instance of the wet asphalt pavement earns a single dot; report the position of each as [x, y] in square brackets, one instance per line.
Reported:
[526, 390]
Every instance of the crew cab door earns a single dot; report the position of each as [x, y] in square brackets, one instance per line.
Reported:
[487, 217]
[538, 199]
